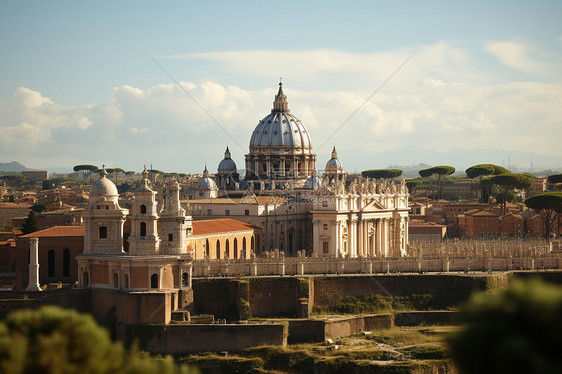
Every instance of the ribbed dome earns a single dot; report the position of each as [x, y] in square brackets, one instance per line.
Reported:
[334, 164]
[280, 128]
[103, 186]
[227, 164]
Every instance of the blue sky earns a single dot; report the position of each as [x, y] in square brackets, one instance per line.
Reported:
[79, 86]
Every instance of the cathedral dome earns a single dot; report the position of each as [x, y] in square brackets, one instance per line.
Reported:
[206, 182]
[280, 128]
[334, 164]
[103, 186]
[227, 164]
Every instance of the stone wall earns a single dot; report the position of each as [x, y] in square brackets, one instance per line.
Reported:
[220, 297]
[314, 331]
[331, 290]
[180, 339]
[273, 296]
[72, 298]
[132, 308]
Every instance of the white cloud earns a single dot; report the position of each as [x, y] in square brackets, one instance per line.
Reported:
[522, 57]
[438, 101]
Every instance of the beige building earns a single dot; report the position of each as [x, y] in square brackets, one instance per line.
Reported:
[326, 216]
[162, 244]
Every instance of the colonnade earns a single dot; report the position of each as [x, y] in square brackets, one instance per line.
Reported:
[307, 165]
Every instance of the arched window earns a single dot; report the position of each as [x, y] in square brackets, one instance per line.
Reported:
[85, 279]
[185, 279]
[51, 263]
[252, 243]
[115, 280]
[154, 281]
[207, 249]
[143, 209]
[103, 232]
[218, 249]
[126, 281]
[235, 247]
[244, 244]
[227, 249]
[143, 229]
[66, 263]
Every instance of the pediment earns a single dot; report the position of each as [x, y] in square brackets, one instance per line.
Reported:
[374, 204]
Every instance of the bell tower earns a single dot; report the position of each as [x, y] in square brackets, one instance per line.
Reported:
[144, 237]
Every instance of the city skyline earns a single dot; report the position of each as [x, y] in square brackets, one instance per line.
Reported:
[80, 85]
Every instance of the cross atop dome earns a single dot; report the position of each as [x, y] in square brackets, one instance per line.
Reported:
[280, 105]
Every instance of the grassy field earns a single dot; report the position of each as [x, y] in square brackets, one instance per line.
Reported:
[396, 350]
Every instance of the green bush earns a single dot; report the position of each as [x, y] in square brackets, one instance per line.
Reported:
[54, 340]
[515, 330]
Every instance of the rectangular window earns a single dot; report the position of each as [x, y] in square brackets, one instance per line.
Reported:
[227, 212]
[325, 226]
[209, 212]
[103, 232]
[247, 212]
[170, 237]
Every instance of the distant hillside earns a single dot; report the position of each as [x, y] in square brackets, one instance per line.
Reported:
[11, 167]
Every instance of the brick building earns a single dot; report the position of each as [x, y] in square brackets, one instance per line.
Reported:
[58, 247]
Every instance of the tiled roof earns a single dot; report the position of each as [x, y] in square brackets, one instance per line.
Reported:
[57, 231]
[485, 213]
[215, 226]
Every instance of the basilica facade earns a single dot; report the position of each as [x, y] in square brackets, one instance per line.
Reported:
[330, 214]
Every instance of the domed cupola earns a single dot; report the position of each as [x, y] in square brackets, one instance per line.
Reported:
[206, 182]
[334, 165]
[103, 218]
[280, 146]
[313, 182]
[103, 186]
[334, 169]
[206, 187]
[227, 176]
[227, 164]
[280, 128]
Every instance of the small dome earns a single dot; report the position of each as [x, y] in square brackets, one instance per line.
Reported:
[334, 164]
[103, 186]
[312, 182]
[206, 183]
[227, 164]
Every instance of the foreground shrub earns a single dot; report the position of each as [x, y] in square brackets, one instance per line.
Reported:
[516, 330]
[55, 340]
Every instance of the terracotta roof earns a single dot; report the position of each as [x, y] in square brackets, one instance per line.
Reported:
[485, 213]
[57, 231]
[215, 226]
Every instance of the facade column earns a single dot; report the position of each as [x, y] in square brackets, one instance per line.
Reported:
[378, 238]
[359, 239]
[316, 245]
[268, 168]
[338, 239]
[353, 237]
[366, 249]
[33, 284]
[385, 236]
